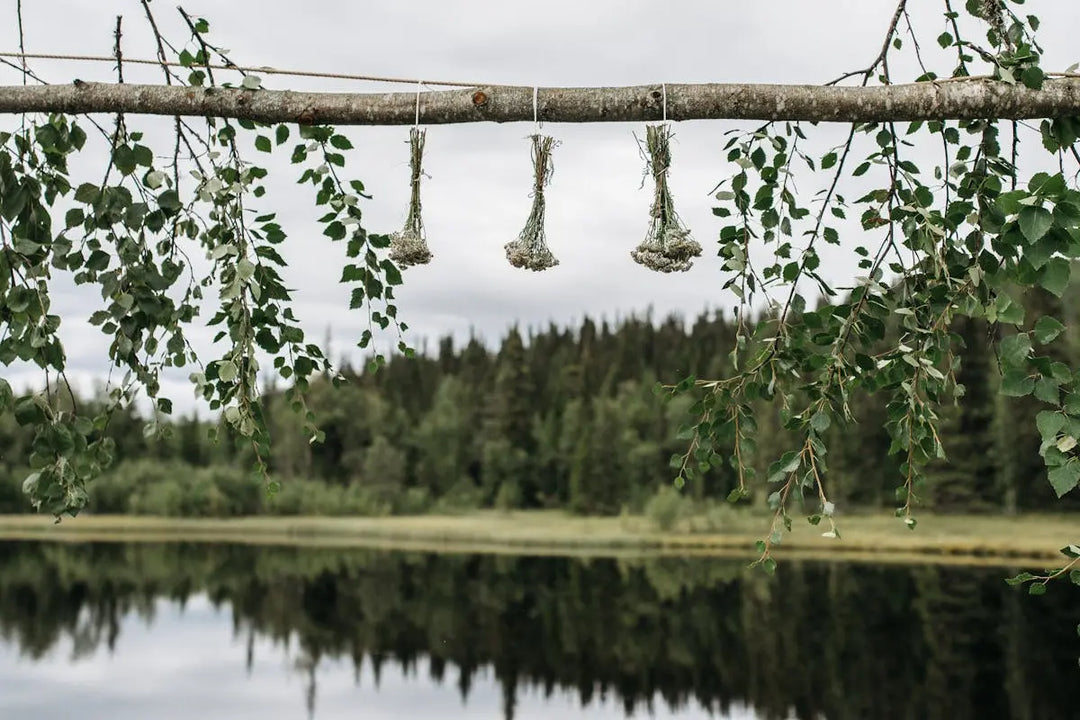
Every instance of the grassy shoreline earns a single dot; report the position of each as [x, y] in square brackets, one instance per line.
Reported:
[1025, 539]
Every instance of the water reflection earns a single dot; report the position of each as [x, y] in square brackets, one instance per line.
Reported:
[266, 631]
[186, 664]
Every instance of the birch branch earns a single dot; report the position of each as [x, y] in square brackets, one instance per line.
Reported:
[942, 100]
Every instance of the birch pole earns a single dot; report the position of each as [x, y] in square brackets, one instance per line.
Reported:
[954, 99]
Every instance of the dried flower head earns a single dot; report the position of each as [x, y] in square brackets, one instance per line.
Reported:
[408, 247]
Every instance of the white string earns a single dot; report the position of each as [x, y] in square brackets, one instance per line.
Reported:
[663, 90]
[536, 116]
[419, 86]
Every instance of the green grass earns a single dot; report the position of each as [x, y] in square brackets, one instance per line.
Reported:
[938, 538]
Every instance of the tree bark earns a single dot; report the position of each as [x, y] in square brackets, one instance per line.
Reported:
[945, 100]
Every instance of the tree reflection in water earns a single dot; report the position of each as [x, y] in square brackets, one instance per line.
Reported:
[834, 640]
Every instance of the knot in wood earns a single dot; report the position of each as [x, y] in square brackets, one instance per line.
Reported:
[655, 100]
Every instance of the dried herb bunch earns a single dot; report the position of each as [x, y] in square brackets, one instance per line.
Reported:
[409, 246]
[530, 250]
[668, 246]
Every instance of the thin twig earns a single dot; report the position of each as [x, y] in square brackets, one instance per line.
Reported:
[915, 43]
[117, 52]
[881, 59]
[22, 40]
[163, 60]
[884, 49]
[961, 67]
[206, 47]
[26, 71]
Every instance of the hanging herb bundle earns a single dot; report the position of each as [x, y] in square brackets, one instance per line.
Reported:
[409, 246]
[530, 250]
[668, 246]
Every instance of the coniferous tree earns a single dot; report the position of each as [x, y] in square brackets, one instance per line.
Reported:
[968, 479]
[563, 418]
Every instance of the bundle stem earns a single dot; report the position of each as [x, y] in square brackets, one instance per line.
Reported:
[409, 246]
[530, 250]
[668, 246]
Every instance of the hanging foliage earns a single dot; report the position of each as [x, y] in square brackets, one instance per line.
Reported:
[668, 246]
[530, 250]
[409, 246]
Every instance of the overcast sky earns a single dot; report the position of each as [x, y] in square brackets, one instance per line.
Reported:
[477, 196]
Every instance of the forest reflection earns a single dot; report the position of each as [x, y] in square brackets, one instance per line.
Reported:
[832, 640]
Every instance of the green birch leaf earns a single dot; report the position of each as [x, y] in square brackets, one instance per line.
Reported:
[1047, 391]
[1009, 311]
[1015, 350]
[1017, 383]
[227, 371]
[245, 269]
[1035, 222]
[820, 421]
[1050, 423]
[1047, 328]
[1055, 276]
[1064, 478]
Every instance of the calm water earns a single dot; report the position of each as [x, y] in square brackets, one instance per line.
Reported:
[195, 631]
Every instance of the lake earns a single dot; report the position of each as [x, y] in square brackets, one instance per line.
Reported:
[179, 631]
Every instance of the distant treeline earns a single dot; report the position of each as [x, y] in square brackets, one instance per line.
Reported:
[565, 418]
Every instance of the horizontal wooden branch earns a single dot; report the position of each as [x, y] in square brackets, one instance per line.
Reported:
[953, 99]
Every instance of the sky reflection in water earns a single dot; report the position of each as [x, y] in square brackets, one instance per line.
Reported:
[188, 663]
